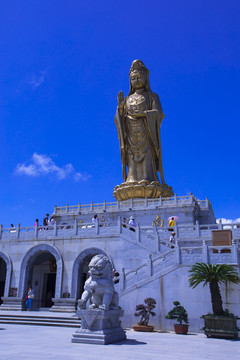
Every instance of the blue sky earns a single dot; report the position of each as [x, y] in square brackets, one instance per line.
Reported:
[62, 64]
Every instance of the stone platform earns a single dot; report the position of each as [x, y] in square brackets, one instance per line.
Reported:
[99, 327]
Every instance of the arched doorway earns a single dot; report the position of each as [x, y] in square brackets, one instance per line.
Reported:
[80, 270]
[5, 275]
[3, 272]
[42, 269]
[42, 277]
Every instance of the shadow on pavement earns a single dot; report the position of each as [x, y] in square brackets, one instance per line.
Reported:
[130, 342]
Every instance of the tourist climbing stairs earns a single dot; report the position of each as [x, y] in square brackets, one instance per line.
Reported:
[39, 319]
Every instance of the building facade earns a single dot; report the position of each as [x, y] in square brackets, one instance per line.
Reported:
[54, 259]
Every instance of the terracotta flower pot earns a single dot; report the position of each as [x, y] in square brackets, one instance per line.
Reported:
[181, 329]
[144, 328]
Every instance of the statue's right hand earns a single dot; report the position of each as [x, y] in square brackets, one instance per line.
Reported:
[81, 304]
[120, 97]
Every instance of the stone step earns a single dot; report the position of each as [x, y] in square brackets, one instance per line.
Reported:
[39, 323]
[40, 320]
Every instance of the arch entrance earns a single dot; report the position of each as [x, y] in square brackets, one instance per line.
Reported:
[80, 270]
[3, 273]
[42, 277]
[41, 268]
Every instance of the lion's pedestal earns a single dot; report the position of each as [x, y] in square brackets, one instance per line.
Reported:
[99, 327]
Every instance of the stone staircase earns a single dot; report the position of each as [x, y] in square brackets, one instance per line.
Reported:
[40, 320]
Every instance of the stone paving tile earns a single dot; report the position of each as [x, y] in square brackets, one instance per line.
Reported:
[42, 342]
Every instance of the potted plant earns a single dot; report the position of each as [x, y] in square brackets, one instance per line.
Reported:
[180, 314]
[221, 323]
[145, 311]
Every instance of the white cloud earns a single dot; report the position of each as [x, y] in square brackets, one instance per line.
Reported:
[42, 165]
[228, 221]
[37, 80]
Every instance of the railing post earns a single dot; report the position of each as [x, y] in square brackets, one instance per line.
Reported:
[160, 201]
[55, 229]
[75, 227]
[138, 236]
[119, 224]
[158, 244]
[67, 208]
[97, 226]
[131, 203]
[118, 204]
[1, 227]
[197, 229]
[204, 252]
[175, 199]
[91, 206]
[178, 253]
[104, 205]
[220, 226]
[55, 209]
[122, 279]
[234, 252]
[36, 230]
[176, 230]
[18, 231]
[149, 265]
[207, 203]
[79, 208]
[146, 202]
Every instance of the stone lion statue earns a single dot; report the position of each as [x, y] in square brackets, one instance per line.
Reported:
[99, 287]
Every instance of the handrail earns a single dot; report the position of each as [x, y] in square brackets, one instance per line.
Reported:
[126, 204]
[129, 280]
[160, 234]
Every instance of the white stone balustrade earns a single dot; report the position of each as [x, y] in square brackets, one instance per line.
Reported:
[179, 256]
[156, 235]
[132, 204]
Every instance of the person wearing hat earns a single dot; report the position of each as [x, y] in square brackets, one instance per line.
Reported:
[132, 223]
[172, 240]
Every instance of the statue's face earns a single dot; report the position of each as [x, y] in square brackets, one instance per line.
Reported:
[138, 79]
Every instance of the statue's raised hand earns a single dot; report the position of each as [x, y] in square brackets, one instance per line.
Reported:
[120, 97]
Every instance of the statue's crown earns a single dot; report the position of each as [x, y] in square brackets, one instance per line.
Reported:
[138, 65]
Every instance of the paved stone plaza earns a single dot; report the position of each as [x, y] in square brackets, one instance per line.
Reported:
[54, 343]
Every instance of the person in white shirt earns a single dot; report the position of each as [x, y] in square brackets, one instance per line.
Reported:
[132, 223]
[172, 240]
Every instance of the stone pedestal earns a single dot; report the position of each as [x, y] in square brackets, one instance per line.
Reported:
[63, 305]
[12, 303]
[99, 327]
[142, 189]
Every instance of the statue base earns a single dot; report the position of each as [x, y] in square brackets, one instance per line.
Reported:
[142, 189]
[99, 327]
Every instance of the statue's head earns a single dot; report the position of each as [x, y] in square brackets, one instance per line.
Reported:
[139, 76]
[100, 267]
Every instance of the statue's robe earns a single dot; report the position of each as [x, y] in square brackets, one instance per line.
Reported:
[153, 119]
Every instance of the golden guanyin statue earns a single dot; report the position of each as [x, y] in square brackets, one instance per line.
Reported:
[138, 119]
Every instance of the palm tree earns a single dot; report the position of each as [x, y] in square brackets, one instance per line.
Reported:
[213, 275]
